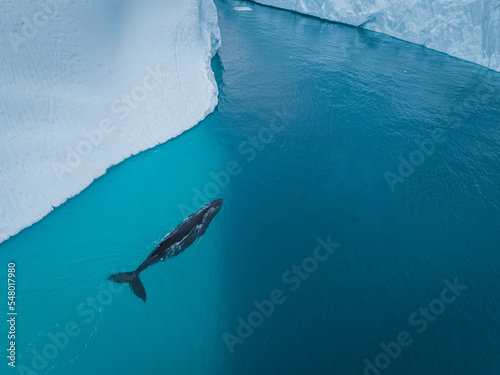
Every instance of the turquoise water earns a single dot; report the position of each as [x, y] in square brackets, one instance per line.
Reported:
[314, 121]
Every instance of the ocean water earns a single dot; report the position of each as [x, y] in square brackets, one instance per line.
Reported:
[360, 177]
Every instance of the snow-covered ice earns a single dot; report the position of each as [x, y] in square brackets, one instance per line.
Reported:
[467, 29]
[84, 85]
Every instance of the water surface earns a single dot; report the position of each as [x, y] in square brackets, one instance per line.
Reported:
[311, 118]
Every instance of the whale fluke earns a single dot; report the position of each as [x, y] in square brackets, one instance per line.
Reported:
[131, 278]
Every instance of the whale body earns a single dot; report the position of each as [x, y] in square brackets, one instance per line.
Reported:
[175, 242]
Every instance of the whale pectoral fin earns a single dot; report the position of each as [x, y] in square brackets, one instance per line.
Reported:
[138, 288]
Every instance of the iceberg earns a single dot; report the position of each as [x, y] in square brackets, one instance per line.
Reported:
[467, 29]
[84, 85]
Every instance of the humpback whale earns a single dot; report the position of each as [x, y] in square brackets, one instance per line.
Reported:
[175, 242]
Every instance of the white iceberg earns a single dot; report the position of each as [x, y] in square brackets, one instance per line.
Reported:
[84, 85]
[467, 29]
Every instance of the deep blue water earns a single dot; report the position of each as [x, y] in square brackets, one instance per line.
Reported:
[313, 118]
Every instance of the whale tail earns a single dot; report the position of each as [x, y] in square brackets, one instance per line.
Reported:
[133, 280]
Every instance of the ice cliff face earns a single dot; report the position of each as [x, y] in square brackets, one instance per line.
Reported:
[84, 85]
[467, 29]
